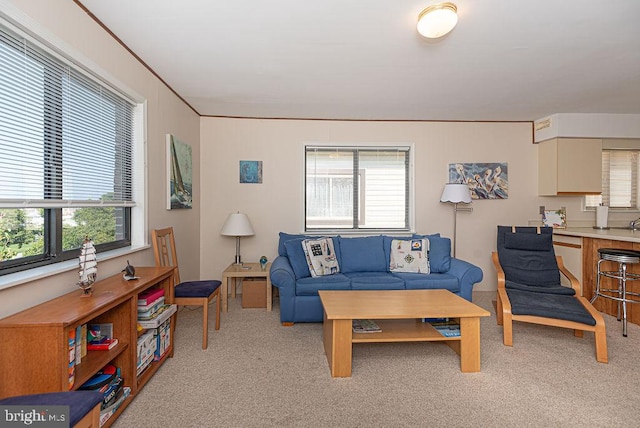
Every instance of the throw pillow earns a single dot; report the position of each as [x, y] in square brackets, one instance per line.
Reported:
[439, 252]
[409, 256]
[321, 256]
[297, 257]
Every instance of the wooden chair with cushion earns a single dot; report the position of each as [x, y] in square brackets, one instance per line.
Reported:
[188, 293]
[529, 288]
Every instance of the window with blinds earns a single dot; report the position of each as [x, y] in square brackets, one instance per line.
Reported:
[65, 158]
[619, 180]
[357, 188]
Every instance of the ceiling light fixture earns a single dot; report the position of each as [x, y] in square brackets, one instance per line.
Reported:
[437, 20]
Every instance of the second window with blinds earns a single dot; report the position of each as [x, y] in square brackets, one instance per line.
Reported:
[620, 175]
[357, 188]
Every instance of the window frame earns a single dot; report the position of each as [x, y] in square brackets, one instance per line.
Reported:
[134, 215]
[409, 186]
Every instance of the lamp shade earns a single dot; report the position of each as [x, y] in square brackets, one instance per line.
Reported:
[237, 224]
[437, 20]
[456, 193]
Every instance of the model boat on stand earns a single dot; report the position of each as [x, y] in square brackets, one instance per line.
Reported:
[88, 267]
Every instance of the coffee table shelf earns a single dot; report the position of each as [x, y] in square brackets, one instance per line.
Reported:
[402, 330]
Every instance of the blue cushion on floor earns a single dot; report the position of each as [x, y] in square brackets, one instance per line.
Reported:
[80, 402]
[197, 288]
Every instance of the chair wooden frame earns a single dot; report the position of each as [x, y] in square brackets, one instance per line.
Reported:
[164, 248]
[505, 318]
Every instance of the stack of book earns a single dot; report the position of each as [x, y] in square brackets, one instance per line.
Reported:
[149, 301]
[447, 327]
[100, 337]
[109, 382]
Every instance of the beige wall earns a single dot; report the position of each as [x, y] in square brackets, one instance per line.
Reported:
[276, 204]
[166, 113]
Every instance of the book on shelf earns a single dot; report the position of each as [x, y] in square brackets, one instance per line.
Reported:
[149, 295]
[158, 317]
[105, 414]
[365, 326]
[448, 328]
[79, 344]
[103, 345]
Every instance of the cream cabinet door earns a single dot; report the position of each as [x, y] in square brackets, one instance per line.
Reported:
[570, 248]
[570, 166]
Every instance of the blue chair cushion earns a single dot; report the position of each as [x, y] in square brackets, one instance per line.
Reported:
[197, 288]
[80, 402]
[548, 305]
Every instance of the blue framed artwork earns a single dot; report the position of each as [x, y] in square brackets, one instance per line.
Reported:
[250, 171]
[180, 174]
[485, 180]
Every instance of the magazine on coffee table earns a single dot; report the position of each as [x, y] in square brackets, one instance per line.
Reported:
[365, 326]
[448, 328]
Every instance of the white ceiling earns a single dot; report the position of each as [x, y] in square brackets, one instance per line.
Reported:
[363, 59]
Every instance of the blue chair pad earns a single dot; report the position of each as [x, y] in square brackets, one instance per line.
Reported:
[197, 288]
[556, 306]
[80, 402]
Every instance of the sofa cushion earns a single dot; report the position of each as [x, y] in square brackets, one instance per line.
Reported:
[310, 286]
[321, 256]
[284, 237]
[439, 252]
[409, 256]
[295, 252]
[375, 281]
[362, 254]
[417, 281]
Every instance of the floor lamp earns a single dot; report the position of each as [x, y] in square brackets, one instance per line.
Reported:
[455, 194]
[237, 225]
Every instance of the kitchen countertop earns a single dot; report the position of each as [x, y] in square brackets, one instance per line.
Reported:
[589, 232]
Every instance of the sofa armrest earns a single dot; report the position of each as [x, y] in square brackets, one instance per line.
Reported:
[282, 276]
[467, 274]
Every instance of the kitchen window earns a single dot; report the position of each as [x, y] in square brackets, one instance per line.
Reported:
[357, 188]
[620, 174]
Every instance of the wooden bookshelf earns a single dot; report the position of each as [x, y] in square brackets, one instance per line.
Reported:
[34, 356]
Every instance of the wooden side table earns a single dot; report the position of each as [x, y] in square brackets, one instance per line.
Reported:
[246, 270]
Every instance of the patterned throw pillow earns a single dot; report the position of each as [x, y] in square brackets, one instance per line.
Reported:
[409, 256]
[321, 256]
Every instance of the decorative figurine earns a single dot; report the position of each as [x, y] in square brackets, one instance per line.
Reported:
[263, 262]
[88, 267]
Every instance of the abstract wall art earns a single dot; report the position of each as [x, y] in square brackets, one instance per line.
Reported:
[250, 171]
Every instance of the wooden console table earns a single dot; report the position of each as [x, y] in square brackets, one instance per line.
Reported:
[34, 355]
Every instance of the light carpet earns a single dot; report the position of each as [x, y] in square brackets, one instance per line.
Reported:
[257, 373]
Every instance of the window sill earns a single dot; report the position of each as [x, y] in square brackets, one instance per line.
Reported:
[23, 277]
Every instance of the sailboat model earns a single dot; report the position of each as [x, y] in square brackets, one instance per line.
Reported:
[88, 267]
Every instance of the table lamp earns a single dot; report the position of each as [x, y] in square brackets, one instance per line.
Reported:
[237, 225]
[456, 193]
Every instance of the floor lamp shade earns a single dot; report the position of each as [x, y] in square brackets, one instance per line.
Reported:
[237, 225]
[456, 193]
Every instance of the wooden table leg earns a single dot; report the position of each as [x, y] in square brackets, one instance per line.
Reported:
[269, 294]
[337, 346]
[223, 294]
[470, 345]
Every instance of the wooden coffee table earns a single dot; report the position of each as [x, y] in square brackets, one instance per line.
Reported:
[399, 313]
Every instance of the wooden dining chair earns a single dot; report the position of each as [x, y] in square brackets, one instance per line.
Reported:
[189, 293]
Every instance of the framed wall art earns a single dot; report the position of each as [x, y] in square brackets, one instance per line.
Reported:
[179, 173]
[250, 171]
[485, 180]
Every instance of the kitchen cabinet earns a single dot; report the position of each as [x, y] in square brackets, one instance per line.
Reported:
[570, 166]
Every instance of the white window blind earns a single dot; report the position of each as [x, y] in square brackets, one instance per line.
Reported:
[619, 180]
[65, 139]
[363, 188]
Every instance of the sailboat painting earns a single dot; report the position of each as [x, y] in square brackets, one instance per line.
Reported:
[88, 267]
[180, 173]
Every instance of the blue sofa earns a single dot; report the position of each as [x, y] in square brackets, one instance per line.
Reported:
[364, 265]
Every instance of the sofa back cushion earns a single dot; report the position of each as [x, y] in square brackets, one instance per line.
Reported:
[409, 255]
[439, 252]
[362, 254]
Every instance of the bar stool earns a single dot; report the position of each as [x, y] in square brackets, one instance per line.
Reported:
[620, 294]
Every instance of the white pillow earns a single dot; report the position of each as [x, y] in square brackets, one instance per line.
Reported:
[321, 256]
[410, 256]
